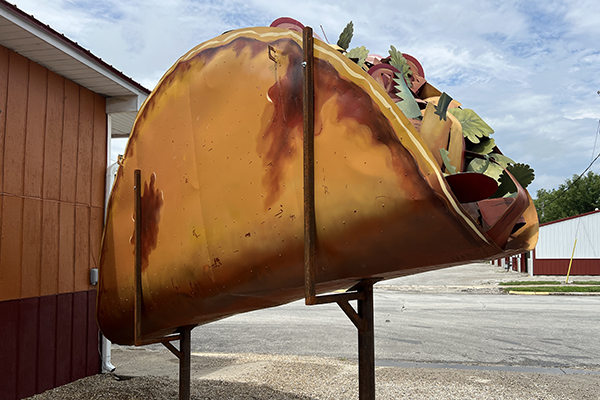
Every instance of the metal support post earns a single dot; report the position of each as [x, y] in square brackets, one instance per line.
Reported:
[185, 357]
[363, 320]
[137, 300]
[366, 346]
[362, 292]
[309, 166]
[185, 364]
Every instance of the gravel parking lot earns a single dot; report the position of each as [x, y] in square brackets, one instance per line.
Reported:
[251, 376]
[151, 373]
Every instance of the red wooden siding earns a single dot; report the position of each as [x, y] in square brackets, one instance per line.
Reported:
[47, 354]
[45, 342]
[31, 248]
[54, 136]
[35, 126]
[16, 121]
[66, 248]
[53, 156]
[53, 172]
[50, 247]
[92, 351]
[9, 329]
[64, 339]
[68, 167]
[28, 343]
[11, 247]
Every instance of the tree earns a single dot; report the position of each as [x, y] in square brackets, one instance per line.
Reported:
[573, 197]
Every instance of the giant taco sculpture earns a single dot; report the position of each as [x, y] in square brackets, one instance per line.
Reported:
[406, 181]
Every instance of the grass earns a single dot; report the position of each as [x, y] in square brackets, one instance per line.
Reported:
[554, 289]
[518, 283]
[538, 283]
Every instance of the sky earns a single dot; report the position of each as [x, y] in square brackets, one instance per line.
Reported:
[530, 69]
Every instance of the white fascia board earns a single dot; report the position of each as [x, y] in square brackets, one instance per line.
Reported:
[53, 41]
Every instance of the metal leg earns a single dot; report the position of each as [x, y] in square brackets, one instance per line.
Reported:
[366, 347]
[308, 108]
[185, 358]
[185, 363]
[363, 320]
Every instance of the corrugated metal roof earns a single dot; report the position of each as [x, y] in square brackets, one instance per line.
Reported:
[24, 34]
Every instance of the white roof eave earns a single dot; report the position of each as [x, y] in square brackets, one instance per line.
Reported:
[38, 42]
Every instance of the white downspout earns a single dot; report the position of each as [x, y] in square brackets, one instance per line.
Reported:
[107, 366]
[115, 105]
[105, 346]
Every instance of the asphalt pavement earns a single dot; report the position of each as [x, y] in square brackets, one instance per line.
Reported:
[232, 350]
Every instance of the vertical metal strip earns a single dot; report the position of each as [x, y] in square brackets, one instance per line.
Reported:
[309, 167]
[137, 178]
[366, 346]
[185, 363]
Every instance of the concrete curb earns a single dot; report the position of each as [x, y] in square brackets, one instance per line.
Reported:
[554, 293]
[445, 289]
[529, 293]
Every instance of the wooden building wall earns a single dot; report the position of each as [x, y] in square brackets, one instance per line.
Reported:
[53, 139]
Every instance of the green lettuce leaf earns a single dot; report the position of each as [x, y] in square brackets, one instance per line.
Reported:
[447, 162]
[489, 168]
[360, 53]
[346, 36]
[502, 159]
[523, 173]
[485, 146]
[472, 124]
[408, 105]
[398, 61]
[479, 165]
[442, 106]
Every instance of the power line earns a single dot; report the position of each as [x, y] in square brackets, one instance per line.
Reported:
[596, 139]
[575, 181]
[589, 166]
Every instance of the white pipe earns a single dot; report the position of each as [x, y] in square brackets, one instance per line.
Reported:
[108, 139]
[107, 366]
[105, 347]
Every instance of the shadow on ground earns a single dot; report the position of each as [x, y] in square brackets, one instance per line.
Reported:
[112, 387]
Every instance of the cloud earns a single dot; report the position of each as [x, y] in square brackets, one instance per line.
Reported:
[529, 68]
[583, 15]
